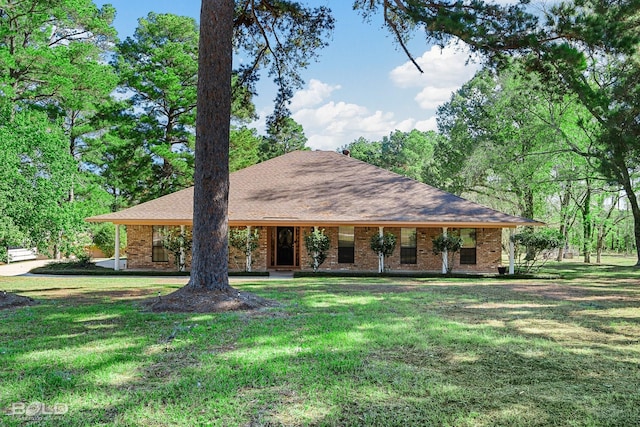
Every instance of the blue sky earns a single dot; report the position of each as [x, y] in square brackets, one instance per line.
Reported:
[362, 85]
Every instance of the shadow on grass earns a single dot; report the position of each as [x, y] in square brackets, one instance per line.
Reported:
[576, 270]
[339, 352]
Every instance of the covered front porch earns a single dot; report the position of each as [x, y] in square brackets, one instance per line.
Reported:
[281, 248]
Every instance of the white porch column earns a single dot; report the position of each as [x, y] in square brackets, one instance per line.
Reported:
[247, 250]
[380, 255]
[512, 253]
[182, 260]
[116, 265]
[445, 255]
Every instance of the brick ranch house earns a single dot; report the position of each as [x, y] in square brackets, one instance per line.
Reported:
[285, 197]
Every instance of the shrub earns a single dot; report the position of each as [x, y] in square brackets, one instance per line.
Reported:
[534, 248]
[384, 246]
[449, 243]
[246, 241]
[178, 242]
[317, 244]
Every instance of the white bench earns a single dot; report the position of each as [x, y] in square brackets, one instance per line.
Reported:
[21, 254]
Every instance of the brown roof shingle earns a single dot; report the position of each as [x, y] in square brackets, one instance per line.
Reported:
[321, 188]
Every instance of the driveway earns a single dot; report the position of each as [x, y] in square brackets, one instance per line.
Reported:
[21, 267]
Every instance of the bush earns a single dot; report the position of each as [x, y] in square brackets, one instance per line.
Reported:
[449, 243]
[317, 244]
[384, 246]
[534, 248]
[245, 241]
[178, 241]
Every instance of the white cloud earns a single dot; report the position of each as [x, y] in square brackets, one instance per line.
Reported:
[445, 70]
[335, 124]
[315, 94]
[428, 124]
[431, 97]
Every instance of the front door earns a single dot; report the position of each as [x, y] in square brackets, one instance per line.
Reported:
[285, 246]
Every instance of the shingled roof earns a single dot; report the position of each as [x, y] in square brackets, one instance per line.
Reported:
[323, 188]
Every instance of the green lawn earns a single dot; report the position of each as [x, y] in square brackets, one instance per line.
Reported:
[354, 351]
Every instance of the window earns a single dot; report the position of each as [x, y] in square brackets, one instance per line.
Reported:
[346, 245]
[158, 252]
[408, 246]
[468, 249]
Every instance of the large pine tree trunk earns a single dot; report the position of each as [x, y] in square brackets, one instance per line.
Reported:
[635, 210]
[209, 269]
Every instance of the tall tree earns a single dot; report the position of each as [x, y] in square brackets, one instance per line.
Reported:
[282, 33]
[498, 143]
[149, 149]
[209, 268]
[51, 60]
[283, 136]
[159, 68]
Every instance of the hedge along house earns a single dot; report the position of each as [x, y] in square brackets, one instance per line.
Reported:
[285, 197]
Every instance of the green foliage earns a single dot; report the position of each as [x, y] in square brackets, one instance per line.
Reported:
[178, 242]
[383, 245]
[244, 146]
[317, 244]
[10, 235]
[284, 135]
[147, 148]
[534, 248]
[450, 244]
[500, 141]
[104, 237]
[47, 48]
[158, 67]
[52, 76]
[35, 182]
[405, 153]
[245, 241]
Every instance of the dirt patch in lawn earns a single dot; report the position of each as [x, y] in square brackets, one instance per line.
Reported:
[187, 300]
[9, 300]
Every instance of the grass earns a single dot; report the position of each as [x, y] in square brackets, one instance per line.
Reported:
[339, 351]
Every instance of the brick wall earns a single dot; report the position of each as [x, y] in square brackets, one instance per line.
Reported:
[139, 244]
[488, 252]
[140, 241]
[237, 259]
